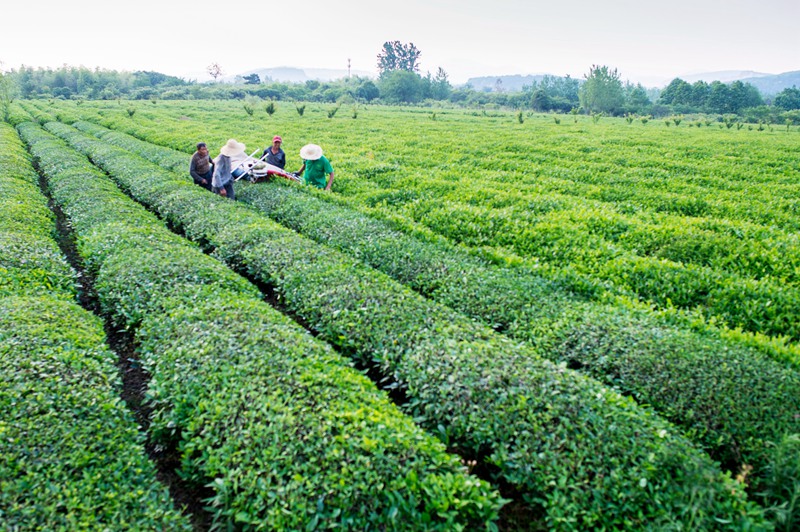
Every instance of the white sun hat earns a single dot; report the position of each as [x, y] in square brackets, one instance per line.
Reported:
[232, 148]
[310, 152]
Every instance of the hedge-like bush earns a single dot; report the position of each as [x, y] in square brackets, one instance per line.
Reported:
[30, 260]
[283, 430]
[753, 401]
[71, 457]
[734, 401]
[588, 456]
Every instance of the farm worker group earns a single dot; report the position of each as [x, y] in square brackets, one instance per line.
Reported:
[217, 175]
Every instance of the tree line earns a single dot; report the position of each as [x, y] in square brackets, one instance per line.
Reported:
[601, 91]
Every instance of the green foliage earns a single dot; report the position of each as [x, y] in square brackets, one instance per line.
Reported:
[447, 365]
[270, 108]
[401, 86]
[709, 209]
[395, 55]
[251, 79]
[788, 99]
[781, 489]
[301, 109]
[266, 416]
[602, 91]
[332, 111]
[70, 453]
[70, 456]
[652, 362]
[367, 91]
[8, 92]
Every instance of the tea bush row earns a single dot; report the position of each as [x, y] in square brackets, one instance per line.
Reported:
[745, 287]
[657, 364]
[588, 456]
[278, 425]
[71, 457]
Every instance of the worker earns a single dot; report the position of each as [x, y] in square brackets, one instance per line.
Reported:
[201, 167]
[274, 153]
[316, 167]
[222, 180]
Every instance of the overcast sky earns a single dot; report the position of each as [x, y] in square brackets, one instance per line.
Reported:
[645, 40]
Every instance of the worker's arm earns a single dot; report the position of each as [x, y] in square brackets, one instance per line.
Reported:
[301, 169]
[330, 182]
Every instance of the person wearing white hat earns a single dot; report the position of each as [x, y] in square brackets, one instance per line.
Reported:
[316, 167]
[222, 180]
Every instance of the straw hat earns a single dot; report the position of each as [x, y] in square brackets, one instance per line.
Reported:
[310, 152]
[232, 148]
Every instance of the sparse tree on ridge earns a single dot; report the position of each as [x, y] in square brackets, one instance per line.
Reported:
[440, 86]
[7, 94]
[214, 70]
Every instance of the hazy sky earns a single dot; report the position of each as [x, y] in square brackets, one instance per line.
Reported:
[645, 40]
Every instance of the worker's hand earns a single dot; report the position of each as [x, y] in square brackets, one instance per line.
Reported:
[205, 182]
[223, 192]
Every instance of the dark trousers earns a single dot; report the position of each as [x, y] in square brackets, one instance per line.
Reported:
[207, 176]
[228, 190]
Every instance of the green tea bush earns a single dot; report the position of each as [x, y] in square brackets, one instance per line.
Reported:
[30, 260]
[71, 457]
[282, 429]
[531, 308]
[568, 445]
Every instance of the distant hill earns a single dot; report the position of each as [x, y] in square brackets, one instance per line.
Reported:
[725, 76]
[513, 83]
[767, 84]
[771, 85]
[299, 75]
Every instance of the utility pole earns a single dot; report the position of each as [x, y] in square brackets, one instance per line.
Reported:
[348, 68]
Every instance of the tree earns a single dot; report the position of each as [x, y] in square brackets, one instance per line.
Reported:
[677, 92]
[541, 101]
[401, 86]
[440, 87]
[636, 100]
[398, 56]
[251, 79]
[700, 92]
[743, 96]
[602, 91]
[788, 99]
[214, 70]
[367, 91]
[7, 93]
[719, 98]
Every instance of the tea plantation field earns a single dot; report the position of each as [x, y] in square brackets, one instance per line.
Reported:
[517, 323]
